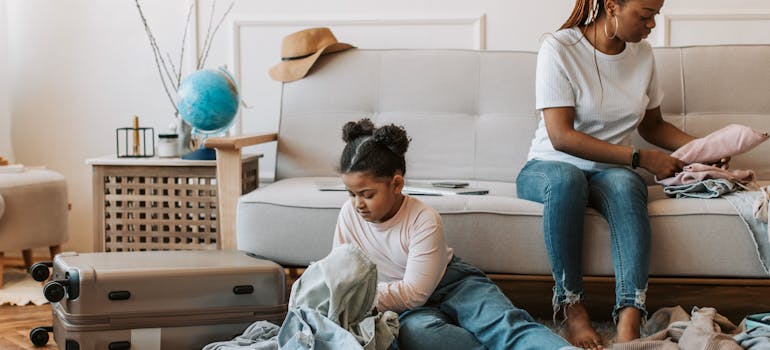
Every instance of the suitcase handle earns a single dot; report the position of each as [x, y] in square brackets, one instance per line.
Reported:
[120, 345]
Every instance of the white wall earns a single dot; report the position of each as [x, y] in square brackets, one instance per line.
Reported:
[81, 68]
[5, 115]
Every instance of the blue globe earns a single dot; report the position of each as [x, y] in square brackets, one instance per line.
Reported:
[208, 100]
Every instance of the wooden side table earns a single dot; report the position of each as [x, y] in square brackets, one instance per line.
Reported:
[160, 203]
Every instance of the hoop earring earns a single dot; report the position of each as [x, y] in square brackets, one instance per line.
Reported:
[616, 29]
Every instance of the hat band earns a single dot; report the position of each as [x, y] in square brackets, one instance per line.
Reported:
[297, 57]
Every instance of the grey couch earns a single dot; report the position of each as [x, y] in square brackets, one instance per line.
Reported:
[471, 116]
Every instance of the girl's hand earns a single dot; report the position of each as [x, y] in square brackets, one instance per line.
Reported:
[659, 163]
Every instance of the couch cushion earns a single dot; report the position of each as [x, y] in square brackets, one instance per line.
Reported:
[292, 223]
[466, 111]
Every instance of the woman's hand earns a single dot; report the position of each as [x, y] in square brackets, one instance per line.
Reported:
[723, 163]
[659, 163]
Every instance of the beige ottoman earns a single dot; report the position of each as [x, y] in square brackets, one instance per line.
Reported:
[33, 212]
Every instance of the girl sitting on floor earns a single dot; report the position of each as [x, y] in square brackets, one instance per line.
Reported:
[442, 301]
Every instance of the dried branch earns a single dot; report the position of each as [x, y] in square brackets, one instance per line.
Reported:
[170, 74]
[159, 62]
[208, 32]
[184, 39]
[206, 48]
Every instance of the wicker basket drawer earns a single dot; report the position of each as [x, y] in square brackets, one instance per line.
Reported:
[159, 204]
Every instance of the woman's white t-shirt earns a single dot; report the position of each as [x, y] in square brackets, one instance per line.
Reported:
[609, 111]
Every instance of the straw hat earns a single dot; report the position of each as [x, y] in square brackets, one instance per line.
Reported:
[301, 49]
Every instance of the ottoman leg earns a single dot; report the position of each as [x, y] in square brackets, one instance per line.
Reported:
[2, 262]
[27, 255]
[54, 249]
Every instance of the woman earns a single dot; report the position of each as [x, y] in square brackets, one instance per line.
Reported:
[596, 83]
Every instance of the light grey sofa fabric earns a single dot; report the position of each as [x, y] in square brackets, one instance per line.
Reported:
[471, 116]
[292, 223]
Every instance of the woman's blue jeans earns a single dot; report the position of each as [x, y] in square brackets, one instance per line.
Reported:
[620, 195]
[468, 311]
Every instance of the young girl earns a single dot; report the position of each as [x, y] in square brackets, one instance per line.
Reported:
[443, 302]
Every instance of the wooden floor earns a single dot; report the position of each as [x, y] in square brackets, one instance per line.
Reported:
[533, 294]
[17, 321]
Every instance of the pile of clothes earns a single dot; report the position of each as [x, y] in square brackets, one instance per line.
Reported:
[672, 328]
[331, 306]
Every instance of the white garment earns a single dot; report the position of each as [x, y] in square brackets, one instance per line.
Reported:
[567, 77]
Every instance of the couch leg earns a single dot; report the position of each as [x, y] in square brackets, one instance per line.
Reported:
[27, 255]
[54, 249]
[2, 262]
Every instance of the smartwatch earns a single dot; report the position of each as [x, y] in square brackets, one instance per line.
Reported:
[634, 158]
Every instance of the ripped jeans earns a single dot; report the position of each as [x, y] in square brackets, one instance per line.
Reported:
[620, 195]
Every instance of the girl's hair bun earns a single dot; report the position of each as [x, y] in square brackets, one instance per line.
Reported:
[354, 130]
[393, 137]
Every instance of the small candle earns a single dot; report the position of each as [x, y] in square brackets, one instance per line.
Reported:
[136, 135]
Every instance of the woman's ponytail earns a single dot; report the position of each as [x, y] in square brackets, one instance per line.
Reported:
[583, 10]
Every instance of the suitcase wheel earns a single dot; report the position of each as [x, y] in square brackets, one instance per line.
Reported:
[39, 335]
[54, 290]
[40, 271]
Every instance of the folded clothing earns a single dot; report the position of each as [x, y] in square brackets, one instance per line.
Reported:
[698, 172]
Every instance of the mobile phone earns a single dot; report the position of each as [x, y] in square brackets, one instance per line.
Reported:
[450, 184]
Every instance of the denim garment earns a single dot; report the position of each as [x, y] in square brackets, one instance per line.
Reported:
[620, 195]
[468, 311]
[331, 304]
[709, 188]
[260, 335]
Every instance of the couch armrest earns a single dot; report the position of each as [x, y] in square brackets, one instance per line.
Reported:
[229, 181]
[238, 142]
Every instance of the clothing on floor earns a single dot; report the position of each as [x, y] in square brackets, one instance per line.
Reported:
[260, 335]
[337, 294]
[331, 306]
[757, 338]
[673, 329]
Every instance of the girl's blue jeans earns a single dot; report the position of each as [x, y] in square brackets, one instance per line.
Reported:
[468, 311]
[620, 195]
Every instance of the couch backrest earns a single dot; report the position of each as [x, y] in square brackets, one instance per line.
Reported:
[471, 114]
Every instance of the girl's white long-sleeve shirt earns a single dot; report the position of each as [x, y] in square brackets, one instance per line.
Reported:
[409, 249]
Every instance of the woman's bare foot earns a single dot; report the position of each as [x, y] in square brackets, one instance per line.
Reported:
[629, 323]
[579, 330]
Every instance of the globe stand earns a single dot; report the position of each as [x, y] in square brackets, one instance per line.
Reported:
[203, 153]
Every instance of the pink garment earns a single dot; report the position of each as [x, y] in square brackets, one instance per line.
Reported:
[409, 250]
[728, 141]
[698, 172]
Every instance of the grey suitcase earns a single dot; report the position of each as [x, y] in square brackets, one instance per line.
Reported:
[160, 300]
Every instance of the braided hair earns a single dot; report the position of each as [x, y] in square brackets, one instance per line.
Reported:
[378, 151]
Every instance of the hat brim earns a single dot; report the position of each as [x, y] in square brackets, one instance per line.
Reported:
[288, 71]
